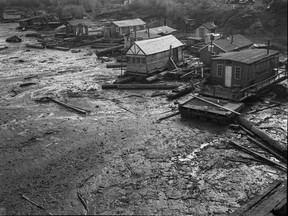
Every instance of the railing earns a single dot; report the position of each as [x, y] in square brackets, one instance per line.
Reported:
[253, 89]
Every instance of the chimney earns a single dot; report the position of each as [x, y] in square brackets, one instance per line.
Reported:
[232, 39]
[268, 47]
[165, 22]
[135, 34]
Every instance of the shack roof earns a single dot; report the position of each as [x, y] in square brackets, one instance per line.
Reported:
[162, 30]
[239, 41]
[248, 56]
[209, 25]
[158, 45]
[84, 22]
[143, 34]
[33, 18]
[128, 23]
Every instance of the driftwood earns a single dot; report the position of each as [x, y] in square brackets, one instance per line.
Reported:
[139, 86]
[36, 46]
[262, 109]
[27, 84]
[263, 146]
[77, 109]
[169, 116]
[156, 94]
[273, 144]
[35, 204]
[156, 77]
[3, 47]
[79, 195]
[264, 159]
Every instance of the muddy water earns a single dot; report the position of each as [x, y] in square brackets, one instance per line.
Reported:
[119, 159]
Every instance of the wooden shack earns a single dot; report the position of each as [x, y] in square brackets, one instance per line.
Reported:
[78, 27]
[233, 43]
[204, 29]
[117, 29]
[147, 34]
[234, 71]
[148, 56]
[35, 20]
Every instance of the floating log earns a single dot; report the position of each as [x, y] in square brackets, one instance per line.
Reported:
[3, 47]
[254, 154]
[169, 116]
[104, 45]
[36, 46]
[77, 109]
[182, 90]
[101, 52]
[271, 143]
[61, 48]
[156, 77]
[139, 86]
[115, 65]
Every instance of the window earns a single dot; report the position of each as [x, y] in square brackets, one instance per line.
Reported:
[143, 60]
[237, 72]
[133, 59]
[138, 60]
[219, 70]
[117, 29]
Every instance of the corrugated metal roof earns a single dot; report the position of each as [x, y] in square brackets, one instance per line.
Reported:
[128, 23]
[158, 45]
[209, 25]
[239, 41]
[247, 56]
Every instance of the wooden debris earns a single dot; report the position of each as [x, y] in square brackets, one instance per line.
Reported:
[156, 94]
[217, 105]
[267, 160]
[27, 84]
[35, 204]
[156, 77]
[267, 148]
[3, 47]
[267, 202]
[123, 80]
[169, 116]
[273, 144]
[262, 109]
[36, 46]
[30, 77]
[83, 202]
[14, 39]
[182, 90]
[139, 86]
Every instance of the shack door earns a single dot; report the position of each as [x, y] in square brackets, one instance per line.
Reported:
[175, 54]
[228, 76]
[202, 32]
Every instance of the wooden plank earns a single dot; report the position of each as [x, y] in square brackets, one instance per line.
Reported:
[268, 204]
[267, 160]
[217, 105]
[256, 199]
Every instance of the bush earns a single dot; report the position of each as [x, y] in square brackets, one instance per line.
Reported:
[74, 11]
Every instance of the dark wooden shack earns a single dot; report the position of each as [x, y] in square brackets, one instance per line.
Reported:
[79, 27]
[148, 56]
[233, 43]
[11, 15]
[117, 29]
[234, 71]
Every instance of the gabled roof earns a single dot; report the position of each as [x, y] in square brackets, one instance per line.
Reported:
[247, 56]
[128, 23]
[158, 45]
[162, 30]
[239, 41]
[209, 25]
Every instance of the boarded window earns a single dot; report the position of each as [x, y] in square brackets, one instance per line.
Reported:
[219, 70]
[117, 29]
[237, 72]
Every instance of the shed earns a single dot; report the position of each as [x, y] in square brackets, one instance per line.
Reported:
[147, 34]
[234, 43]
[24, 23]
[148, 56]
[117, 29]
[79, 27]
[205, 28]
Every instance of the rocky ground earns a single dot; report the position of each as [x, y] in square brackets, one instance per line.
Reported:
[118, 159]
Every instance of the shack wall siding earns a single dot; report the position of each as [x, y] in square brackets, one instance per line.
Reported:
[205, 54]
